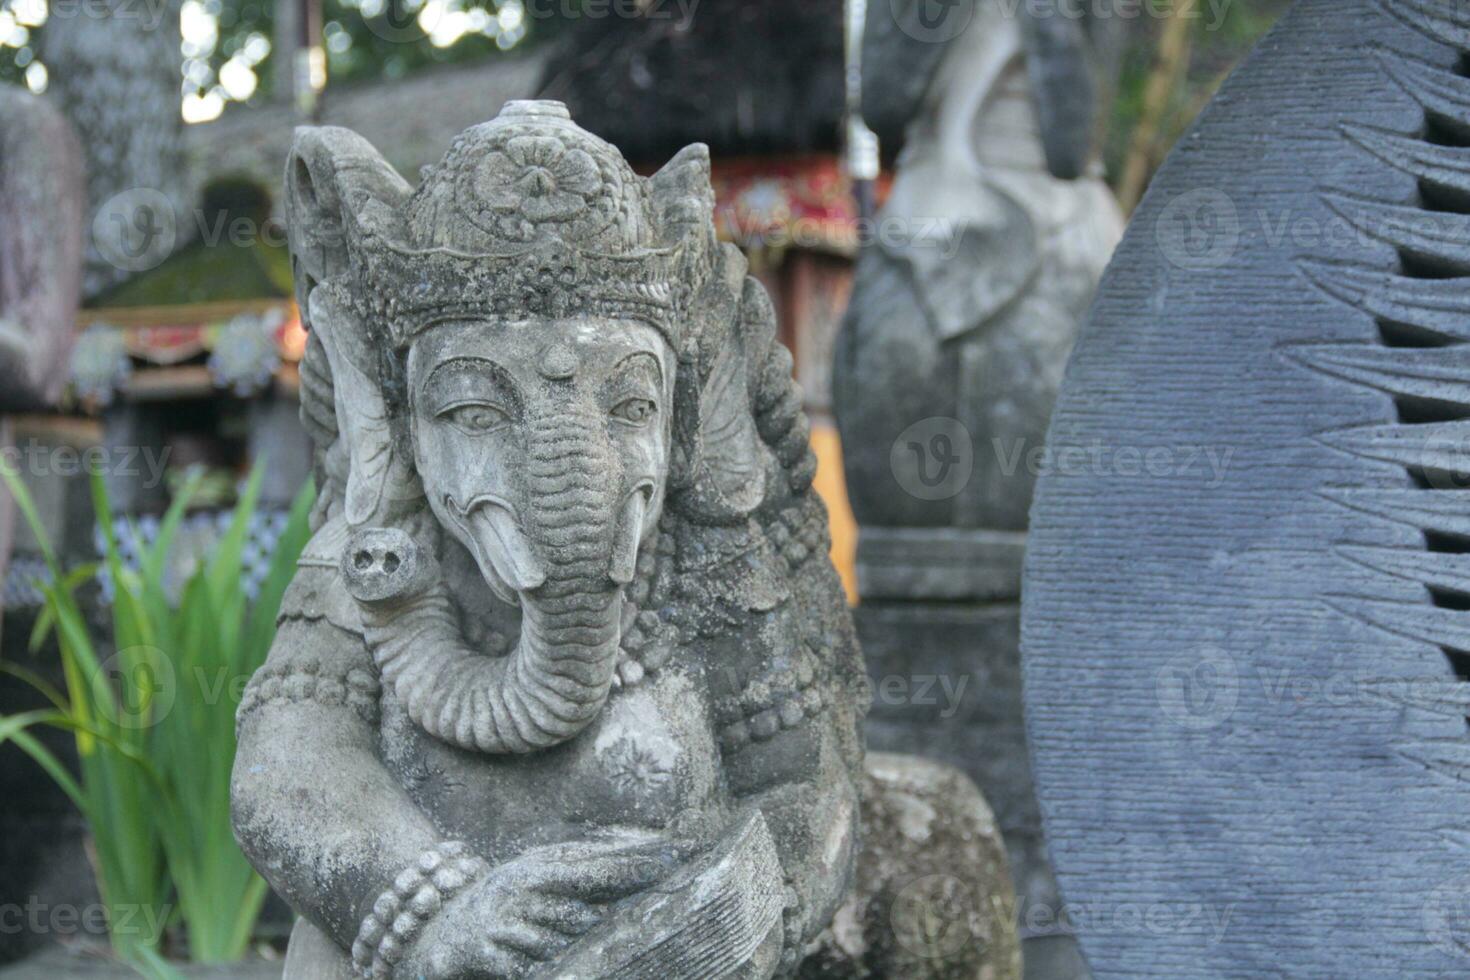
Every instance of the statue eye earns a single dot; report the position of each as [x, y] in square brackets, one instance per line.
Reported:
[475, 418]
[634, 410]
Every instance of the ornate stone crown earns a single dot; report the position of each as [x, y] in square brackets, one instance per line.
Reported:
[528, 214]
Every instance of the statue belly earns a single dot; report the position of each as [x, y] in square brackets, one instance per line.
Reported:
[648, 762]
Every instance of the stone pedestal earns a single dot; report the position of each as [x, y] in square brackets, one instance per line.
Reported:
[939, 624]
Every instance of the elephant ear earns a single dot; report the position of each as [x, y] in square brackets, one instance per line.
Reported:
[726, 463]
[339, 189]
[722, 462]
[363, 420]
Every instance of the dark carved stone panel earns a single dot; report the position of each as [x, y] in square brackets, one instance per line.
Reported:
[1245, 669]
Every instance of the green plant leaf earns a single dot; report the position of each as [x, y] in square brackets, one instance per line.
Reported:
[44, 758]
[27, 508]
[34, 680]
[151, 964]
[154, 721]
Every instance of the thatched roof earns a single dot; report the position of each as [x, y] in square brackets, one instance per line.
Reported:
[411, 120]
[748, 77]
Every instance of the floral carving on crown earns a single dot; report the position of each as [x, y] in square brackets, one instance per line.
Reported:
[532, 179]
[536, 180]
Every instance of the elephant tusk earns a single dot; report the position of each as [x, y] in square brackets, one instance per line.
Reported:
[629, 534]
[520, 568]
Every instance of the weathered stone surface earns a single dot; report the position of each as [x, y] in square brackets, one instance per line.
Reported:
[565, 684]
[932, 897]
[1071, 56]
[42, 200]
[1245, 662]
[940, 564]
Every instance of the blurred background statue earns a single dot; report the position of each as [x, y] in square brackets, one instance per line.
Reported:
[968, 295]
[40, 241]
[41, 208]
[114, 71]
[42, 200]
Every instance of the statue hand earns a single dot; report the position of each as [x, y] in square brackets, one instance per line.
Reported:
[530, 909]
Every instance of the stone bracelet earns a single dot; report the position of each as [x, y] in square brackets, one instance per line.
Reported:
[402, 911]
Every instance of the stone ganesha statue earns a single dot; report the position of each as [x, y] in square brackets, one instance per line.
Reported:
[564, 685]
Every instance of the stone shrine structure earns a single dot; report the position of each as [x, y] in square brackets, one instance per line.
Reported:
[961, 320]
[565, 684]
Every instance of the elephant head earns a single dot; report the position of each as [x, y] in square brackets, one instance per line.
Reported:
[530, 355]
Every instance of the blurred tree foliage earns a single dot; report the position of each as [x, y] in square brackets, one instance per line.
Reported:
[1164, 80]
[1170, 68]
[365, 39]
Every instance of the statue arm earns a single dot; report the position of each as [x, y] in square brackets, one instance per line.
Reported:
[803, 782]
[815, 830]
[314, 808]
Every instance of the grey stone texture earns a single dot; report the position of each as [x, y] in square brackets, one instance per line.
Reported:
[931, 899]
[1244, 659]
[565, 684]
[114, 71]
[1070, 54]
